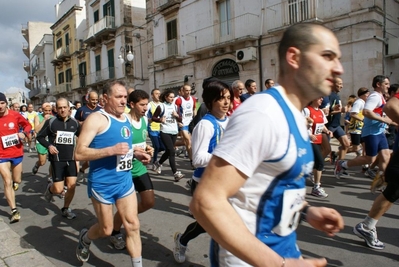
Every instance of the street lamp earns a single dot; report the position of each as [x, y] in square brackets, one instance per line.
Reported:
[46, 86]
[128, 56]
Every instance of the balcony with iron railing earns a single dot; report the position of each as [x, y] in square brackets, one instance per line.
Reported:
[286, 13]
[28, 84]
[34, 93]
[25, 49]
[63, 88]
[38, 68]
[101, 76]
[26, 66]
[236, 30]
[64, 54]
[102, 28]
[79, 81]
[25, 31]
[170, 50]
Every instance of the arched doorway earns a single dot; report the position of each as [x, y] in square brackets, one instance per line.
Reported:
[226, 70]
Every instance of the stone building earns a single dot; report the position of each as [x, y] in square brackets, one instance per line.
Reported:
[235, 39]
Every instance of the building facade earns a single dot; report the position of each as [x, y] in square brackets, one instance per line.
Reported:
[69, 55]
[42, 71]
[115, 38]
[234, 39]
[33, 33]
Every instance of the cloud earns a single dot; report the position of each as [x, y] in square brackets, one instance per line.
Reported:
[12, 15]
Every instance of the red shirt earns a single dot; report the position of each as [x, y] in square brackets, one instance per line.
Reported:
[318, 124]
[236, 104]
[11, 146]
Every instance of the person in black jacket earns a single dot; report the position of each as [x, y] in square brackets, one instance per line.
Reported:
[61, 131]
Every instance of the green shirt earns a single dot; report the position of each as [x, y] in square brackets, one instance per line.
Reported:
[139, 139]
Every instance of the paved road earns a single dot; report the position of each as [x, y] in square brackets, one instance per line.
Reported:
[43, 228]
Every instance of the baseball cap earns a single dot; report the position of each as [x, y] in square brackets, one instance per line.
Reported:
[3, 97]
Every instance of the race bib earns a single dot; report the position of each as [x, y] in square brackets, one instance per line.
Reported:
[293, 200]
[170, 120]
[142, 145]
[125, 161]
[318, 128]
[64, 138]
[10, 140]
[189, 115]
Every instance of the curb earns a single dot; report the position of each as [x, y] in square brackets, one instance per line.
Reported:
[16, 252]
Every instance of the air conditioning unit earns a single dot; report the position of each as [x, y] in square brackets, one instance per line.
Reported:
[246, 54]
[393, 47]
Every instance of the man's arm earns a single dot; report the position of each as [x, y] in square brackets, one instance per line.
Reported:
[43, 133]
[212, 210]
[371, 115]
[356, 116]
[94, 124]
[391, 108]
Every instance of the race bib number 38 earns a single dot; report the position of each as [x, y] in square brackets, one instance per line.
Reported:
[10, 140]
[64, 138]
[125, 162]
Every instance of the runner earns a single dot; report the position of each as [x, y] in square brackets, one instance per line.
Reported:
[217, 96]
[82, 113]
[11, 152]
[41, 150]
[138, 101]
[252, 194]
[186, 110]
[60, 132]
[167, 115]
[106, 142]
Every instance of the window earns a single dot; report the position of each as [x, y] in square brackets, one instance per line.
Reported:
[171, 30]
[111, 66]
[59, 43]
[98, 63]
[108, 9]
[60, 78]
[68, 75]
[225, 17]
[171, 36]
[96, 16]
[298, 10]
[67, 39]
[82, 74]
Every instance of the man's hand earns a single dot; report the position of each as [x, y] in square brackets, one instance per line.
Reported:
[53, 150]
[325, 219]
[143, 156]
[120, 149]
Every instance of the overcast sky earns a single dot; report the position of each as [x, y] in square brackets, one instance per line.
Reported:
[14, 13]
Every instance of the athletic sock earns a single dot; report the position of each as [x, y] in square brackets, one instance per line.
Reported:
[370, 223]
[345, 165]
[86, 239]
[115, 232]
[137, 262]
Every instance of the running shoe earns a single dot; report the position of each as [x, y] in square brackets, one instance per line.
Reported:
[67, 213]
[154, 167]
[179, 251]
[15, 216]
[82, 250]
[339, 170]
[47, 194]
[35, 169]
[370, 236]
[117, 241]
[369, 173]
[319, 192]
[188, 183]
[377, 183]
[178, 176]
[81, 176]
[158, 167]
[15, 186]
